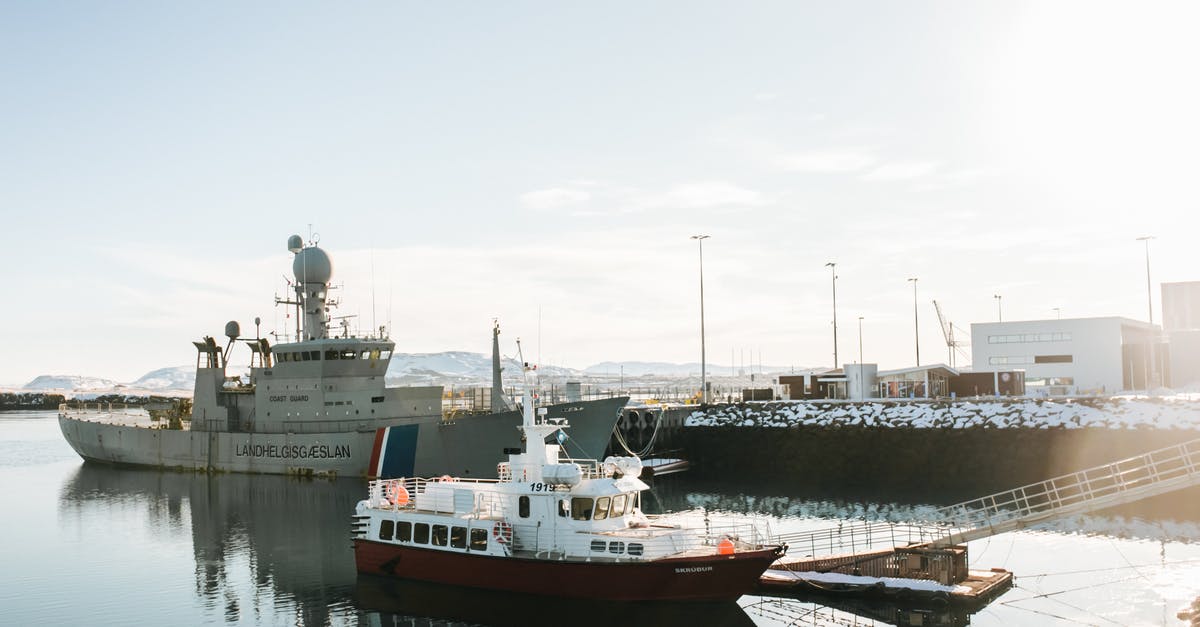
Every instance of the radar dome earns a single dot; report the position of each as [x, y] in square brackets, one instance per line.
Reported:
[312, 265]
[295, 243]
[232, 329]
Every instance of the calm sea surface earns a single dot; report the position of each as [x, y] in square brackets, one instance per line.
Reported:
[87, 544]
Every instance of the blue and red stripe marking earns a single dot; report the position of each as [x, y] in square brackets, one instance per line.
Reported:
[394, 453]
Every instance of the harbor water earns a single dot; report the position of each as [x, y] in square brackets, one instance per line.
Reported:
[84, 543]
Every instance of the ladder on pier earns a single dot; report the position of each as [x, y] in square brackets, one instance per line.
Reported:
[1150, 474]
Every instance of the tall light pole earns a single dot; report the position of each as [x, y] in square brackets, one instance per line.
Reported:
[999, 312]
[860, 357]
[916, 327]
[703, 363]
[1058, 313]
[1149, 311]
[833, 269]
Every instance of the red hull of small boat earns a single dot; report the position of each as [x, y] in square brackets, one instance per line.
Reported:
[705, 578]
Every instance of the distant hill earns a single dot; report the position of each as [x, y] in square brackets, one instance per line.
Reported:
[447, 368]
[72, 382]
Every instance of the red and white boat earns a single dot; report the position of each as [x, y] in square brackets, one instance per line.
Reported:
[554, 526]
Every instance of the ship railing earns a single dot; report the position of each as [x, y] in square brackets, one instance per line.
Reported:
[409, 493]
[859, 537]
[82, 409]
[635, 544]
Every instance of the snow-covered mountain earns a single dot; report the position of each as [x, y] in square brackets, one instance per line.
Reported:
[446, 368]
[71, 382]
[181, 378]
[663, 369]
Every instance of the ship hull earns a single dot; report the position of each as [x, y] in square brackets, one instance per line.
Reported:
[465, 447]
[698, 578]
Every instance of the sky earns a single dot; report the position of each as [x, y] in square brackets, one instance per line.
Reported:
[546, 164]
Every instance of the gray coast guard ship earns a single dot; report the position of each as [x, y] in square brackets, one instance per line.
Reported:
[319, 405]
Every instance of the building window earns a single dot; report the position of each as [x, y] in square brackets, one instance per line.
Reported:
[1010, 360]
[1024, 338]
[1053, 359]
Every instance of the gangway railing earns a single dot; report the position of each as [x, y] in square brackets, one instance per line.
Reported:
[1132, 479]
[1125, 481]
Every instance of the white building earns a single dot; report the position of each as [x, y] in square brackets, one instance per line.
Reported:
[1071, 356]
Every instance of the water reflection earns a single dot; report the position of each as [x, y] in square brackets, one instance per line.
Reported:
[270, 546]
[276, 543]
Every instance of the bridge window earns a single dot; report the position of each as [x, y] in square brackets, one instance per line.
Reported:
[618, 506]
[331, 354]
[602, 504]
[581, 508]
[440, 532]
[385, 355]
[458, 537]
[421, 533]
[523, 507]
[386, 528]
[479, 539]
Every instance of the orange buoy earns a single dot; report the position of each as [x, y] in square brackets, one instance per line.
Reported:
[725, 547]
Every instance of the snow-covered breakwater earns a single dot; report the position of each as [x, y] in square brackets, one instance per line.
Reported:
[929, 449]
[1175, 412]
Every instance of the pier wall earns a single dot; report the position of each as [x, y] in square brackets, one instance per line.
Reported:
[963, 448]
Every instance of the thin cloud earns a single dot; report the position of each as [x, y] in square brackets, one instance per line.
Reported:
[701, 195]
[554, 198]
[843, 160]
[902, 171]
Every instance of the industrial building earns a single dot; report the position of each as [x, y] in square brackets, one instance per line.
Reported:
[1075, 355]
[1181, 325]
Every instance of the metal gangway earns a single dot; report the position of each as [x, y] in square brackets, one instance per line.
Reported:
[1125, 481]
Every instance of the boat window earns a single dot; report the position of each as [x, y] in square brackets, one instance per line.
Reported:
[331, 354]
[349, 354]
[304, 354]
[386, 528]
[581, 508]
[523, 507]
[421, 533]
[564, 507]
[616, 547]
[599, 545]
[404, 531]
[281, 357]
[458, 537]
[602, 508]
[479, 539]
[618, 508]
[440, 532]
[315, 355]
[385, 354]
[635, 548]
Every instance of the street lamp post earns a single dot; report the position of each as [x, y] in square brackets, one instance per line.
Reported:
[1058, 313]
[1149, 312]
[703, 364]
[833, 270]
[999, 312]
[860, 357]
[916, 327]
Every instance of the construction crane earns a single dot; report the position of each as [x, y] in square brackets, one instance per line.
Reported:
[953, 346]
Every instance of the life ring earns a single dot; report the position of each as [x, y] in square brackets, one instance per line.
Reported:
[396, 493]
[502, 532]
